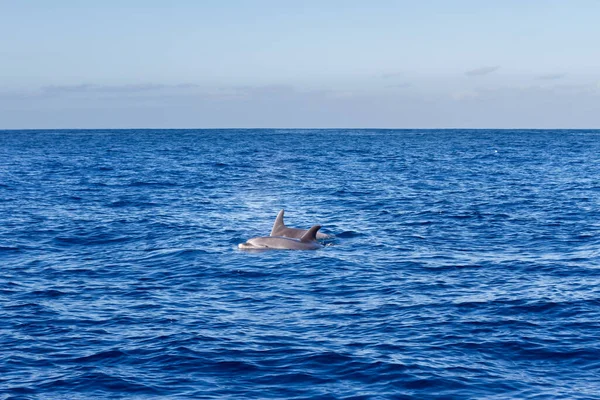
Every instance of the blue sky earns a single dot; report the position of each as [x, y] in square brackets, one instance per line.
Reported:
[266, 63]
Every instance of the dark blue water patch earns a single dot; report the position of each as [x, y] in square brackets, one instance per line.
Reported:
[9, 248]
[464, 264]
[349, 234]
[153, 184]
[130, 203]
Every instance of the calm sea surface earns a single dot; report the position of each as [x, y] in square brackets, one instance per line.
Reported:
[466, 264]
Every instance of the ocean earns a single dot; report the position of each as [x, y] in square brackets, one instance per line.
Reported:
[465, 264]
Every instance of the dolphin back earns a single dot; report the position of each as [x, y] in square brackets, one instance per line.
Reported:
[278, 225]
[278, 242]
[311, 234]
[279, 229]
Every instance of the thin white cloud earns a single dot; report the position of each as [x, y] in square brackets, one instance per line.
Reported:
[131, 88]
[403, 85]
[391, 75]
[482, 71]
[551, 77]
[465, 95]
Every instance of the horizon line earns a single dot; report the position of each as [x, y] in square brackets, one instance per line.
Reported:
[294, 128]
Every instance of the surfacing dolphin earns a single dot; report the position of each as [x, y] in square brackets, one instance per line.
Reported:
[279, 229]
[308, 241]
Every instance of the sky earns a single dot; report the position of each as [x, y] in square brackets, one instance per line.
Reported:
[299, 64]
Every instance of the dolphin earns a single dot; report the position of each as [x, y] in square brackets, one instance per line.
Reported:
[279, 229]
[308, 241]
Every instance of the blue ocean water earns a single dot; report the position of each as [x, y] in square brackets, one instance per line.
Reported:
[466, 264]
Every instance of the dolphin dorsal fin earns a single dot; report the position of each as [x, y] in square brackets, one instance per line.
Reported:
[278, 224]
[311, 234]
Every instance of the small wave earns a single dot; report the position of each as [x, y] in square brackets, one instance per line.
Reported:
[91, 239]
[453, 267]
[9, 248]
[418, 223]
[102, 357]
[130, 203]
[326, 358]
[101, 383]
[291, 378]
[152, 184]
[349, 234]
[166, 252]
[465, 216]
[24, 305]
[48, 293]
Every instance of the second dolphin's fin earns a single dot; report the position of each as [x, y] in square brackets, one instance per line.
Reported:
[278, 224]
[311, 234]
